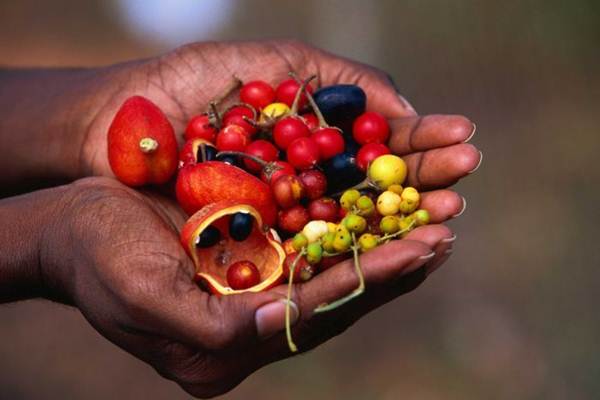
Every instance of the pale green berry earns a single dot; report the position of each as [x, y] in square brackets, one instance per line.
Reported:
[365, 206]
[299, 241]
[421, 217]
[349, 198]
[314, 253]
[355, 223]
[389, 224]
[368, 241]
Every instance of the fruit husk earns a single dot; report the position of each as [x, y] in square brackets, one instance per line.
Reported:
[132, 163]
[261, 248]
[202, 184]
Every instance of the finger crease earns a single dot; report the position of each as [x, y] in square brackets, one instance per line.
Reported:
[411, 134]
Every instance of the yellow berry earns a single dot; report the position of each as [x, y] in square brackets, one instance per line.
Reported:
[314, 230]
[421, 217]
[299, 241]
[349, 198]
[342, 240]
[331, 226]
[327, 242]
[395, 188]
[355, 223]
[274, 111]
[405, 224]
[389, 224]
[314, 253]
[365, 206]
[388, 203]
[368, 241]
[387, 170]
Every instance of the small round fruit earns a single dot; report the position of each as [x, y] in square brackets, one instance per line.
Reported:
[371, 127]
[232, 138]
[406, 224]
[262, 149]
[389, 224]
[242, 275]
[365, 206]
[286, 92]
[288, 129]
[331, 227]
[314, 253]
[315, 183]
[208, 238]
[330, 142]
[327, 242]
[299, 241]
[355, 223]
[200, 127]
[411, 195]
[342, 240]
[314, 230]
[311, 121]
[349, 198]
[287, 190]
[257, 93]
[395, 188]
[388, 203]
[238, 115]
[387, 170]
[370, 152]
[240, 226]
[303, 271]
[367, 241]
[325, 209]
[274, 111]
[276, 169]
[303, 153]
[293, 219]
[421, 217]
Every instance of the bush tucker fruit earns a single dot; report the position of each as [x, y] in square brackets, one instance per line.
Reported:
[242, 275]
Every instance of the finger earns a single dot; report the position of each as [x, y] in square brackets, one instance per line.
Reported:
[439, 168]
[442, 205]
[440, 238]
[421, 133]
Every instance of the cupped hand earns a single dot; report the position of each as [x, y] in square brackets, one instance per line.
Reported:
[124, 268]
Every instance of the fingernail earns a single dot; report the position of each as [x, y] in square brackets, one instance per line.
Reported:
[464, 207]
[478, 164]
[472, 133]
[449, 240]
[419, 262]
[270, 318]
[448, 252]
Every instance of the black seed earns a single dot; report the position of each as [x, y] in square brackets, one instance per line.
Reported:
[205, 152]
[231, 160]
[209, 237]
[240, 226]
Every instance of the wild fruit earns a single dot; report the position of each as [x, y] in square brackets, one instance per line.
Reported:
[262, 149]
[314, 182]
[303, 153]
[325, 209]
[257, 93]
[287, 190]
[371, 127]
[242, 275]
[286, 92]
[370, 152]
[232, 138]
[293, 219]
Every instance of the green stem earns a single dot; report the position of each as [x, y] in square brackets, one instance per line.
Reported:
[257, 160]
[288, 325]
[356, 292]
[389, 236]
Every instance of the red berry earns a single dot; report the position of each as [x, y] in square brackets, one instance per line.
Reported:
[330, 142]
[371, 127]
[293, 219]
[303, 153]
[262, 149]
[324, 208]
[303, 271]
[315, 183]
[276, 169]
[242, 275]
[368, 153]
[287, 190]
[238, 114]
[311, 121]
[286, 92]
[257, 93]
[232, 138]
[200, 127]
[289, 129]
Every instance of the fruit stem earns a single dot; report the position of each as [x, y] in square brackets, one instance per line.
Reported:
[214, 117]
[257, 160]
[389, 236]
[313, 104]
[148, 145]
[288, 325]
[301, 89]
[365, 184]
[356, 292]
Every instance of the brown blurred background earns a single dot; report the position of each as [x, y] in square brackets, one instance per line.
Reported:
[510, 316]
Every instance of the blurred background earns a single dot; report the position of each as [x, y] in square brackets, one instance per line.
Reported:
[510, 316]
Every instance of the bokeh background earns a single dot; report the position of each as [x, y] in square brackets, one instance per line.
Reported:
[512, 315]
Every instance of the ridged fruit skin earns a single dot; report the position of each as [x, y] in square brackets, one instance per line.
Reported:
[140, 118]
[213, 181]
[272, 267]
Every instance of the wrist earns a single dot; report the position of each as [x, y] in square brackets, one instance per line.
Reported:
[30, 233]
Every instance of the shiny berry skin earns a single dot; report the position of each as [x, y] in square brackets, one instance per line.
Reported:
[262, 149]
[330, 142]
[242, 275]
[275, 170]
[200, 127]
[232, 138]
[368, 153]
[208, 238]
[314, 182]
[229, 159]
[325, 209]
[311, 121]
[371, 127]
[286, 92]
[257, 93]
[293, 219]
[303, 153]
[240, 226]
[287, 190]
[236, 116]
[289, 129]
[303, 271]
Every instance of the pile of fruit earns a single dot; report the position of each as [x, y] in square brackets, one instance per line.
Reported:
[280, 185]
